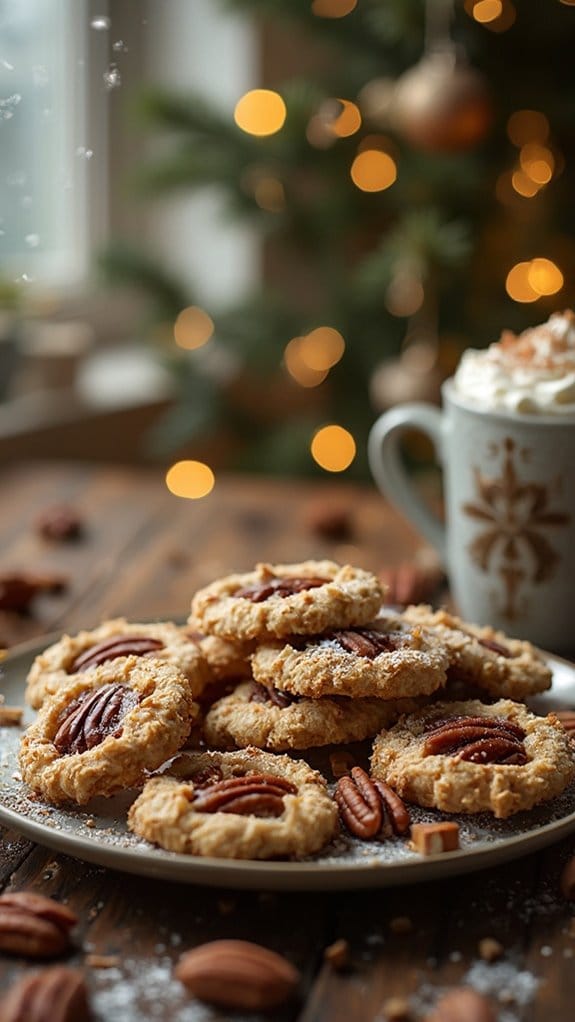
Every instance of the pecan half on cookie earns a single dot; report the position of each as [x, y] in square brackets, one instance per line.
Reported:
[257, 715]
[468, 757]
[77, 654]
[284, 599]
[389, 659]
[101, 732]
[258, 806]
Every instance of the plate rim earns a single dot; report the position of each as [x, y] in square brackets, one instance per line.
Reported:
[278, 875]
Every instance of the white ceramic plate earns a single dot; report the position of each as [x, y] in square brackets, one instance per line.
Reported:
[98, 833]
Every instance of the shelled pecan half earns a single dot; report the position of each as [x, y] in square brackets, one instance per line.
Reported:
[368, 642]
[33, 925]
[265, 694]
[110, 649]
[279, 587]
[477, 740]
[57, 994]
[96, 715]
[247, 795]
[369, 807]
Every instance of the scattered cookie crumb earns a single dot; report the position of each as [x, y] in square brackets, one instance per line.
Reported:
[102, 961]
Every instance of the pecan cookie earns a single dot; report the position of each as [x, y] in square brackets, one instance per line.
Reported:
[389, 659]
[278, 599]
[468, 757]
[99, 733]
[236, 805]
[491, 661]
[76, 654]
[268, 719]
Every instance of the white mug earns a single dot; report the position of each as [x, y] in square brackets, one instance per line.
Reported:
[508, 542]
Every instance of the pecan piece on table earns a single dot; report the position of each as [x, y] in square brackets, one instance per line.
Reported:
[369, 807]
[96, 715]
[238, 974]
[110, 649]
[279, 587]
[34, 926]
[57, 994]
[247, 795]
[59, 523]
[477, 740]
[18, 589]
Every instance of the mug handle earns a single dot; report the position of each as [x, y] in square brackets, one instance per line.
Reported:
[390, 474]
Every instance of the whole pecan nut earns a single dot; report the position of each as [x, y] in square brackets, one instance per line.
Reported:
[57, 994]
[247, 795]
[238, 974]
[34, 926]
[279, 587]
[96, 715]
[110, 649]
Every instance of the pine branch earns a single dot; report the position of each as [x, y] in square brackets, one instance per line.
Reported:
[123, 265]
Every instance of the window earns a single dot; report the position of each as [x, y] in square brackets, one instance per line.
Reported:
[49, 157]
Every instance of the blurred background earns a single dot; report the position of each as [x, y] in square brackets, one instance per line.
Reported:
[235, 231]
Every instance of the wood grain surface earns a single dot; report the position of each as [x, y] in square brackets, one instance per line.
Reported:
[143, 554]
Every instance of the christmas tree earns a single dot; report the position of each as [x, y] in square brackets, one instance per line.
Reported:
[412, 200]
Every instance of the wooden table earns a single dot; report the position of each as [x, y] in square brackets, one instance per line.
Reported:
[143, 554]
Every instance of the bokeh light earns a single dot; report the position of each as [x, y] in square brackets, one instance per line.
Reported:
[297, 366]
[404, 295]
[269, 194]
[538, 163]
[333, 448]
[193, 328]
[260, 112]
[485, 11]
[373, 170]
[517, 284]
[523, 184]
[322, 348]
[545, 277]
[347, 121]
[333, 8]
[190, 479]
[525, 126]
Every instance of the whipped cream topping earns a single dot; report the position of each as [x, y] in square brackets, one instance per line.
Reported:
[532, 373]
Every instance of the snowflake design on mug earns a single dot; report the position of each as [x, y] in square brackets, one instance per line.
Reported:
[516, 515]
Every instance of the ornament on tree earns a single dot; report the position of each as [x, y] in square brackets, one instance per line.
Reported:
[442, 104]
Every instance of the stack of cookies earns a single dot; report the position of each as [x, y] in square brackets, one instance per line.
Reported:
[308, 656]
